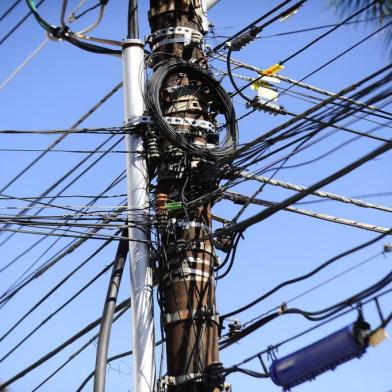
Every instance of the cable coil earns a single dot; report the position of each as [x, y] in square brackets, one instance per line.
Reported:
[153, 98]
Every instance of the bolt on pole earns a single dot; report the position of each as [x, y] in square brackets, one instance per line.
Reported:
[138, 200]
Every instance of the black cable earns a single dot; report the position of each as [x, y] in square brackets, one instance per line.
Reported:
[58, 309]
[65, 176]
[9, 10]
[153, 103]
[107, 315]
[290, 339]
[60, 32]
[16, 27]
[15, 259]
[126, 304]
[76, 353]
[317, 28]
[311, 315]
[133, 20]
[307, 275]
[266, 15]
[92, 8]
[313, 42]
[54, 289]
[300, 195]
[261, 139]
[239, 90]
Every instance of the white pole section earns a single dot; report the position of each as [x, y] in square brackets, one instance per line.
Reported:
[137, 177]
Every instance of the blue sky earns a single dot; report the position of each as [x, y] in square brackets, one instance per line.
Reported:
[62, 82]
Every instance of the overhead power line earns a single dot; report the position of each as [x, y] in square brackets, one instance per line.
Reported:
[122, 306]
[9, 10]
[305, 276]
[244, 200]
[300, 195]
[319, 193]
[19, 24]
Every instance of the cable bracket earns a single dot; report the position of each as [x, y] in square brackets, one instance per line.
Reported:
[174, 35]
[204, 313]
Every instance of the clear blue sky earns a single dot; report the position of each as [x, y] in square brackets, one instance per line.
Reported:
[63, 82]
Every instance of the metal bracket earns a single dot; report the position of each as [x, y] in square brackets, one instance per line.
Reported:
[208, 126]
[167, 381]
[185, 35]
[138, 120]
[206, 312]
[188, 225]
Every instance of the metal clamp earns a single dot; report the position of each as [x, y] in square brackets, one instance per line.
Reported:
[205, 312]
[138, 120]
[167, 381]
[187, 225]
[208, 126]
[187, 36]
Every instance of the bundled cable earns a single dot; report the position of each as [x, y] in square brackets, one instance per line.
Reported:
[153, 99]
[108, 313]
[63, 32]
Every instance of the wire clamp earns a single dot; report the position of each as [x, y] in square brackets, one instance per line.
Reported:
[167, 381]
[174, 35]
[207, 312]
[132, 122]
[206, 125]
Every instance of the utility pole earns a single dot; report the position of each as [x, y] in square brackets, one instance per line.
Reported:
[187, 257]
[138, 199]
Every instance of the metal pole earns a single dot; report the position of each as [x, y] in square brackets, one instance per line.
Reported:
[138, 197]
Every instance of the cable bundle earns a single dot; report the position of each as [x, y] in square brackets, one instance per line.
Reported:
[153, 98]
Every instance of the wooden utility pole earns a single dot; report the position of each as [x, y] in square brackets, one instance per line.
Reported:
[187, 257]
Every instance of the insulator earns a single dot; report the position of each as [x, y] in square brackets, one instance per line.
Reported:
[326, 354]
[152, 148]
[239, 42]
[234, 328]
[162, 213]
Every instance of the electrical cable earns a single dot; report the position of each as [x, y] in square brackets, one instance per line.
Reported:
[293, 199]
[335, 317]
[245, 201]
[124, 305]
[133, 22]
[307, 275]
[79, 121]
[20, 23]
[153, 97]
[117, 180]
[299, 84]
[58, 309]
[317, 28]
[5, 297]
[63, 32]
[54, 289]
[311, 315]
[249, 27]
[65, 176]
[9, 10]
[75, 354]
[245, 148]
[107, 315]
[319, 193]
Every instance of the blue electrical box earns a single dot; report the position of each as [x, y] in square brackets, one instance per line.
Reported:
[326, 354]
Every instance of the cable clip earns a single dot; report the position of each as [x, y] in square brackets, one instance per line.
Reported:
[282, 308]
